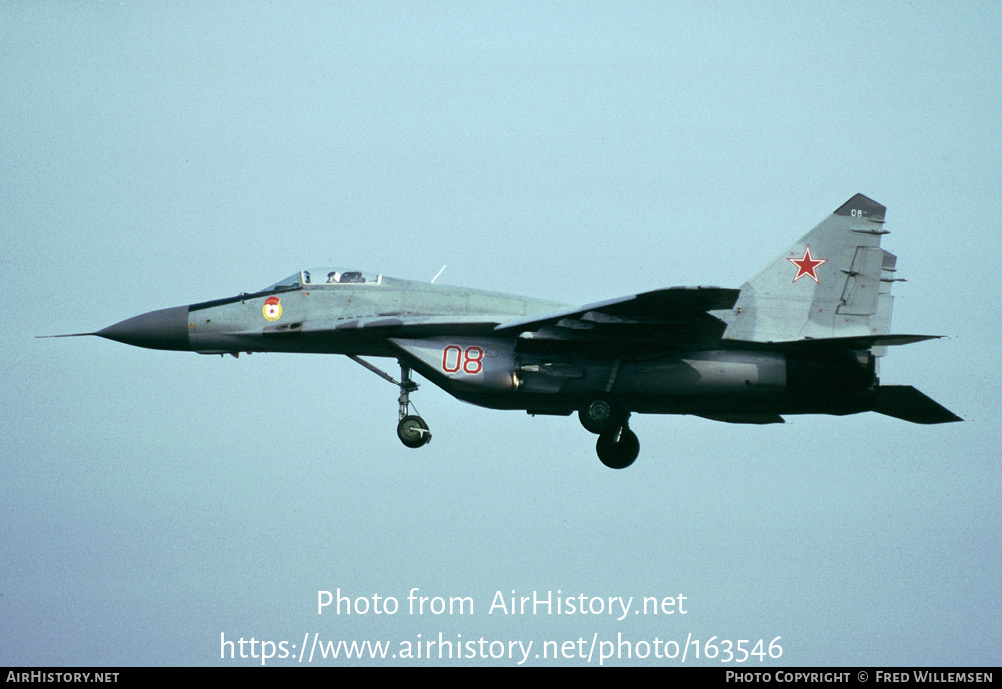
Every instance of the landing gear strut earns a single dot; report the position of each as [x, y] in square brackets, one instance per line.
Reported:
[411, 428]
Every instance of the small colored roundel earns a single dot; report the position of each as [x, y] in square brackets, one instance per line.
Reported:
[272, 308]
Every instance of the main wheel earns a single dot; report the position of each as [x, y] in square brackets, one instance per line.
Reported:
[618, 448]
[413, 431]
[601, 413]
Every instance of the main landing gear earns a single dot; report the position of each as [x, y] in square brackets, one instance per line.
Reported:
[617, 446]
[411, 428]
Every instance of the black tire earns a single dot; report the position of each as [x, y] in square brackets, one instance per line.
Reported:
[601, 413]
[618, 448]
[413, 431]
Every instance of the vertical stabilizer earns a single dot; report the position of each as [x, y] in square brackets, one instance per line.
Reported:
[828, 284]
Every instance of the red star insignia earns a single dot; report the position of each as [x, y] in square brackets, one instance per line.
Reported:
[807, 265]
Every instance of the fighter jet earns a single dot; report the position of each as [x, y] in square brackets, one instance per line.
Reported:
[803, 336]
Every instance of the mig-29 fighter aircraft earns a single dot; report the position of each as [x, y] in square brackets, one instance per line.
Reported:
[801, 337]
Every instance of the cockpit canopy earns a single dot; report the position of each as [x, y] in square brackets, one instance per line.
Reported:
[324, 277]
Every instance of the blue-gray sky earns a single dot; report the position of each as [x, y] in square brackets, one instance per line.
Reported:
[158, 154]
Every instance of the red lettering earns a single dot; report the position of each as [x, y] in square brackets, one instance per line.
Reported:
[470, 360]
[446, 365]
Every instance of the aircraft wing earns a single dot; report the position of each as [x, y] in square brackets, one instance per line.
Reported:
[827, 344]
[677, 317]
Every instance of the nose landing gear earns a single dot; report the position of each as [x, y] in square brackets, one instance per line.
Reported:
[411, 428]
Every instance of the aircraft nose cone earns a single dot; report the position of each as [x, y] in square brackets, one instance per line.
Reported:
[162, 329]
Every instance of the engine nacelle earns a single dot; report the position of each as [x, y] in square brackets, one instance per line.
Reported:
[830, 372]
[690, 373]
[730, 372]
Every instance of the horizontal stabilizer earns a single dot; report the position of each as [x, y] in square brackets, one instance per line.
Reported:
[906, 403]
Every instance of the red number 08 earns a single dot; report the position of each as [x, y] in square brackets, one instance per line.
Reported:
[470, 360]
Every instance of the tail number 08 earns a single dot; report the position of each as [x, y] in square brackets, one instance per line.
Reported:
[469, 360]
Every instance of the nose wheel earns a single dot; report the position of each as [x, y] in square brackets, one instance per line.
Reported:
[411, 428]
[413, 431]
